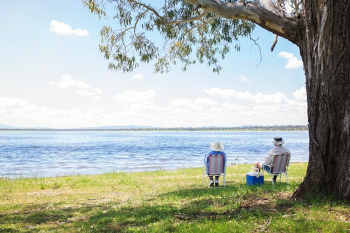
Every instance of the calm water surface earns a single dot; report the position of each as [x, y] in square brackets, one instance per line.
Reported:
[55, 153]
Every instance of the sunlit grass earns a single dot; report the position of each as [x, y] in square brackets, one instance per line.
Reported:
[165, 201]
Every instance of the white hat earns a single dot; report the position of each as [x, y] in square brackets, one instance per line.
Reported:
[216, 146]
[278, 141]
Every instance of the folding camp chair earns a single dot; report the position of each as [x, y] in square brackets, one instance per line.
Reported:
[279, 166]
[215, 168]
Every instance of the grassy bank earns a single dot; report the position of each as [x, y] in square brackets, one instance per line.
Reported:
[165, 201]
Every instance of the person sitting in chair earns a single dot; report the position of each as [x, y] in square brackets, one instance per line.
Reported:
[277, 150]
[217, 149]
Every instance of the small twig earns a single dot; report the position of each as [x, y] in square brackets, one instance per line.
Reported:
[290, 215]
[137, 20]
[149, 8]
[256, 45]
[274, 43]
[263, 209]
[197, 7]
[206, 216]
[125, 200]
[297, 7]
[264, 227]
[183, 217]
[279, 5]
[199, 26]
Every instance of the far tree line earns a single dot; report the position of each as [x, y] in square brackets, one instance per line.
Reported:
[242, 128]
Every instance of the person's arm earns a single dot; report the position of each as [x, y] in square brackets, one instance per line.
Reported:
[206, 160]
[268, 159]
[225, 160]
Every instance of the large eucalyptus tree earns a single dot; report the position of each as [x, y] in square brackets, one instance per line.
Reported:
[201, 30]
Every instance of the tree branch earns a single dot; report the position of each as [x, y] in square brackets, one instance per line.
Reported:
[269, 18]
[274, 43]
[250, 37]
[137, 20]
[200, 25]
[148, 8]
[271, 21]
[187, 20]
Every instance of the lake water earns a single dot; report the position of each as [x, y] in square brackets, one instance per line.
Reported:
[56, 153]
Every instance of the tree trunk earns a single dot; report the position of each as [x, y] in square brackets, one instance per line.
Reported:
[324, 46]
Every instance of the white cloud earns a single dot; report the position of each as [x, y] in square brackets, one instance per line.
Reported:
[274, 98]
[67, 81]
[95, 112]
[300, 94]
[264, 107]
[97, 90]
[180, 103]
[6, 102]
[205, 101]
[84, 89]
[243, 78]
[231, 110]
[236, 107]
[85, 92]
[135, 96]
[186, 105]
[137, 76]
[227, 93]
[63, 29]
[292, 62]
[257, 98]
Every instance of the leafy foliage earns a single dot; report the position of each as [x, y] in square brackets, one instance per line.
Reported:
[189, 34]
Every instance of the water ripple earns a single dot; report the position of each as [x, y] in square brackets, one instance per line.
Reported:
[67, 153]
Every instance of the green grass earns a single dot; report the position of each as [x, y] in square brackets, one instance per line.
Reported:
[165, 201]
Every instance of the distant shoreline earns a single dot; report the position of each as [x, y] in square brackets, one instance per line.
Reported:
[249, 128]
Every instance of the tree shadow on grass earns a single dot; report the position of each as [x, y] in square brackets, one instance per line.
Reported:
[161, 212]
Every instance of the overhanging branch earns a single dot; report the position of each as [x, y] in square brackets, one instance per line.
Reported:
[271, 21]
[187, 20]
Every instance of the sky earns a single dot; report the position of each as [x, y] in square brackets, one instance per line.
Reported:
[53, 75]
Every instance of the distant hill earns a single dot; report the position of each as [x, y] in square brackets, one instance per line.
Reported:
[152, 128]
[6, 127]
[121, 127]
[250, 126]
[118, 127]
[16, 127]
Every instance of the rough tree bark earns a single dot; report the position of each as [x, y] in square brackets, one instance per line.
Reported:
[324, 47]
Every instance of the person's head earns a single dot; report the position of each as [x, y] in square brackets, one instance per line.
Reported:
[216, 146]
[277, 141]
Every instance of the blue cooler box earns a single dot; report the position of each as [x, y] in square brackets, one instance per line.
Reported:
[255, 177]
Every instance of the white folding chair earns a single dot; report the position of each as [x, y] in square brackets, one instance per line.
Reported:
[215, 168]
[279, 166]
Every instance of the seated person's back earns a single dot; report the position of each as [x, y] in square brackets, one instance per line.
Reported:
[277, 150]
[217, 148]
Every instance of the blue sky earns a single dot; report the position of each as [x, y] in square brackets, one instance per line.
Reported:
[52, 74]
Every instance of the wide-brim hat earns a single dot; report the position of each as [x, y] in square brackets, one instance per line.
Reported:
[278, 141]
[216, 146]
